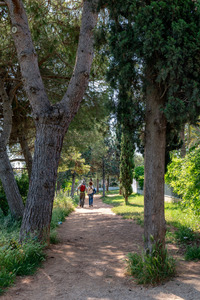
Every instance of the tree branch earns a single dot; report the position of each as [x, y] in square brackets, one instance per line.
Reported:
[17, 159]
[80, 77]
[27, 57]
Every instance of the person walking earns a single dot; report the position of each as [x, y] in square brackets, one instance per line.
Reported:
[82, 188]
[90, 192]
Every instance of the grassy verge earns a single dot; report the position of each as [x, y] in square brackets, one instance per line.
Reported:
[17, 259]
[183, 227]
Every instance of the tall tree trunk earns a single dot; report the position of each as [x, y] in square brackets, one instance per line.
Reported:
[52, 121]
[10, 186]
[103, 171]
[39, 204]
[73, 184]
[97, 185]
[108, 183]
[155, 141]
[6, 172]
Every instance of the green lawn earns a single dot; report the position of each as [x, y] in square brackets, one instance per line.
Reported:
[183, 226]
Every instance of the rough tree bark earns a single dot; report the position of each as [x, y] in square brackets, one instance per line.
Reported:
[155, 141]
[103, 176]
[11, 189]
[52, 121]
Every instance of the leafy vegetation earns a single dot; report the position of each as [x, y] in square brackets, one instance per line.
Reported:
[183, 175]
[151, 269]
[183, 226]
[23, 184]
[126, 165]
[63, 206]
[23, 259]
[139, 175]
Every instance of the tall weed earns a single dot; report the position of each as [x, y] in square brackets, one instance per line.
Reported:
[153, 268]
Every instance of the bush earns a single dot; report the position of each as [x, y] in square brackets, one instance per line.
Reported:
[151, 268]
[3, 201]
[184, 235]
[23, 184]
[139, 175]
[184, 177]
[17, 259]
[192, 253]
[63, 206]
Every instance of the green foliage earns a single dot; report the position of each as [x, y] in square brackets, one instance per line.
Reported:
[185, 234]
[183, 175]
[139, 175]
[153, 268]
[17, 259]
[63, 206]
[3, 201]
[156, 43]
[126, 166]
[192, 253]
[23, 184]
[23, 259]
[182, 224]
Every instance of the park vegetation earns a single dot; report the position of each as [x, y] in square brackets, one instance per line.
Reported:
[83, 87]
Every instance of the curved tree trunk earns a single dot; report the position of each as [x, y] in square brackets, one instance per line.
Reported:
[10, 186]
[155, 141]
[39, 204]
[51, 121]
[6, 172]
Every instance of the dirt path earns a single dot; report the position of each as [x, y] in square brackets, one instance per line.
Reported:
[88, 264]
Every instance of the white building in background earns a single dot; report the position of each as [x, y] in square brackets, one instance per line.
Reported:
[134, 186]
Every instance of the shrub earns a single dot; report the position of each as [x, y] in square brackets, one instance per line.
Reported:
[63, 206]
[23, 184]
[151, 268]
[185, 234]
[139, 175]
[192, 253]
[3, 201]
[17, 259]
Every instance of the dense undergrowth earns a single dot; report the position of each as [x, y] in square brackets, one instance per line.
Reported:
[23, 259]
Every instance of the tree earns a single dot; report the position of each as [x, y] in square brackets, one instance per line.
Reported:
[160, 38]
[73, 161]
[126, 166]
[55, 32]
[6, 173]
[51, 120]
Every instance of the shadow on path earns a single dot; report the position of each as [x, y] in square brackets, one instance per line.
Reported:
[89, 263]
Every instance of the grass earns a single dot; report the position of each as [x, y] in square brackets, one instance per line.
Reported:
[23, 259]
[183, 229]
[183, 226]
[151, 269]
